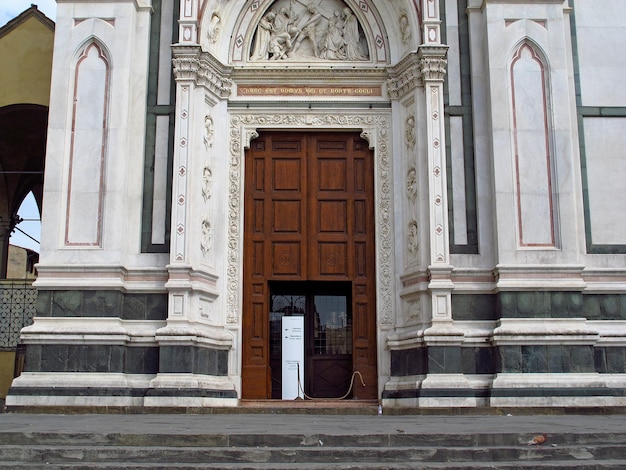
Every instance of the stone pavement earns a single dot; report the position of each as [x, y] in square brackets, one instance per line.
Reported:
[289, 424]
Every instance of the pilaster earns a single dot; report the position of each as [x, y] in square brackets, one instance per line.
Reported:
[195, 348]
[433, 69]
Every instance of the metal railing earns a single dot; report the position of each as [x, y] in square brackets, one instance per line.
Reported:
[18, 304]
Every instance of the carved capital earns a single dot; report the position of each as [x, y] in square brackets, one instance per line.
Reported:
[201, 68]
[404, 77]
[185, 68]
[433, 62]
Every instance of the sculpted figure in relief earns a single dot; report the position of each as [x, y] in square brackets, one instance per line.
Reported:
[207, 238]
[208, 132]
[332, 44]
[351, 36]
[283, 30]
[207, 183]
[413, 238]
[409, 132]
[214, 27]
[263, 37]
[411, 184]
[405, 27]
[309, 30]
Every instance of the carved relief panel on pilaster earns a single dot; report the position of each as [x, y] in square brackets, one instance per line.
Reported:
[409, 133]
[206, 190]
[411, 185]
[413, 239]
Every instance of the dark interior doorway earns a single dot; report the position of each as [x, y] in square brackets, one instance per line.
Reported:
[326, 308]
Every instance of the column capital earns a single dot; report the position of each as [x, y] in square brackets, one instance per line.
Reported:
[201, 68]
[433, 62]
[404, 77]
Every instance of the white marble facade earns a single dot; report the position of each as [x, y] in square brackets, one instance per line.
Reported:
[518, 198]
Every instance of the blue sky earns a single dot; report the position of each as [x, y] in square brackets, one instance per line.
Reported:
[9, 9]
[31, 225]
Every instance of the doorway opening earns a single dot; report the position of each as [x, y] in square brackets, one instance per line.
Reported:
[309, 251]
[327, 337]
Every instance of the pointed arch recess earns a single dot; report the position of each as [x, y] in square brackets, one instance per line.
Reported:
[533, 159]
[90, 97]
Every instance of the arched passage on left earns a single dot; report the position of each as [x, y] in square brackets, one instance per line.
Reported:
[23, 129]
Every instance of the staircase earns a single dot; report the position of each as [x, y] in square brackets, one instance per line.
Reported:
[399, 449]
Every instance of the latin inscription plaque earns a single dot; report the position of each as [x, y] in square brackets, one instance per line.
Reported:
[308, 90]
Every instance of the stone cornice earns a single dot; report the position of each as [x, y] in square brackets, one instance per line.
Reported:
[201, 68]
[427, 64]
[405, 76]
[308, 74]
[479, 4]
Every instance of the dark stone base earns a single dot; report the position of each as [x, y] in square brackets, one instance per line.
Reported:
[539, 392]
[530, 359]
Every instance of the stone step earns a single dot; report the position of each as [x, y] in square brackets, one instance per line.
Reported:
[319, 455]
[506, 465]
[397, 439]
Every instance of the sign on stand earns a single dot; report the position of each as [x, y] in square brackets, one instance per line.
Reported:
[293, 357]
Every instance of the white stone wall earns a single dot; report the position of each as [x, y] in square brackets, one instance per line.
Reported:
[600, 35]
[105, 158]
[530, 175]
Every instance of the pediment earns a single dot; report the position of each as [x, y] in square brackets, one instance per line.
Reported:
[316, 32]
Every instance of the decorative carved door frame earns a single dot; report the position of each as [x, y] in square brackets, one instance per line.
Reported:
[375, 128]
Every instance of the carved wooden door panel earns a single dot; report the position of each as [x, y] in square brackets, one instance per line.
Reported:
[309, 216]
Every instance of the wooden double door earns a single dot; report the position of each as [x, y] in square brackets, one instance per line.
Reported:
[309, 241]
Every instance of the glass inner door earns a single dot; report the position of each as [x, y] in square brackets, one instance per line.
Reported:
[327, 335]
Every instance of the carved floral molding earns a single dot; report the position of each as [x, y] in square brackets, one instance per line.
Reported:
[375, 129]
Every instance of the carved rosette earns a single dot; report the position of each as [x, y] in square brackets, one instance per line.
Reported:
[375, 130]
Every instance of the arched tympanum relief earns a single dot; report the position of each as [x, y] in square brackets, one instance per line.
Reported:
[316, 29]
[309, 31]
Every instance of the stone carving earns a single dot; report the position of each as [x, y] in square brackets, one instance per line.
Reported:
[203, 70]
[409, 132]
[413, 244]
[283, 30]
[405, 77]
[351, 36]
[207, 237]
[263, 37]
[207, 183]
[309, 30]
[376, 130]
[208, 132]
[411, 184]
[214, 27]
[433, 68]
[405, 27]
[333, 46]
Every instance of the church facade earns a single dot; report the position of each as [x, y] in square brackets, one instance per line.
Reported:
[430, 189]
